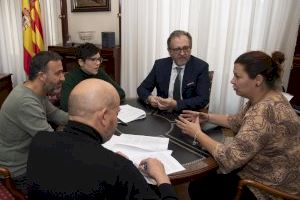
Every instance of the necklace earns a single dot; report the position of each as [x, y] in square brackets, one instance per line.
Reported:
[195, 142]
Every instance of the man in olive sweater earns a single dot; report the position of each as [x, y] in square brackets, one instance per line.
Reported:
[89, 60]
[27, 111]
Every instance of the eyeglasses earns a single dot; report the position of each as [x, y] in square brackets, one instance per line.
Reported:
[184, 49]
[100, 59]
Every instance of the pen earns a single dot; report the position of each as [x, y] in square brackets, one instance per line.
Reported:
[144, 167]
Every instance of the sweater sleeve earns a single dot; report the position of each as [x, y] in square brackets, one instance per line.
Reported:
[66, 89]
[251, 138]
[32, 117]
[166, 191]
[56, 115]
[104, 76]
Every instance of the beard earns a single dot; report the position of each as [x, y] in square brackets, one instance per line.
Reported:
[181, 60]
[51, 88]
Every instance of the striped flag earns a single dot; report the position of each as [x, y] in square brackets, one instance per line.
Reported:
[32, 31]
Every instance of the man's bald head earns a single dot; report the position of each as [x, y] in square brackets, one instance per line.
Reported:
[90, 96]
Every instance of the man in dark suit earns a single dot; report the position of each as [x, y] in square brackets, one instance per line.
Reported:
[73, 164]
[188, 90]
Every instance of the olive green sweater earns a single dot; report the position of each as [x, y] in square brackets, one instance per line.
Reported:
[22, 115]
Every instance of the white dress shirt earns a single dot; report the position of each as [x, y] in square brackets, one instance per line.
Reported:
[173, 77]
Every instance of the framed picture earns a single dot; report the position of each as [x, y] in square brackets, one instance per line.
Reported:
[90, 5]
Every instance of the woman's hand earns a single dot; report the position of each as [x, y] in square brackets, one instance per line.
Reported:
[189, 115]
[192, 115]
[188, 127]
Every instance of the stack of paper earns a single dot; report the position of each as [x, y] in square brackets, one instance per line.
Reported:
[129, 113]
[138, 147]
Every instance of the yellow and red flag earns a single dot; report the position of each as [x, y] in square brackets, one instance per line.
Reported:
[32, 30]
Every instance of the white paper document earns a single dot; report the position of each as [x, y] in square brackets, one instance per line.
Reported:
[171, 165]
[137, 148]
[145, 142]
[287, 96]
[129, 113]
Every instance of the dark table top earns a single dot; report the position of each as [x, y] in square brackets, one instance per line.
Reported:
[196, 160]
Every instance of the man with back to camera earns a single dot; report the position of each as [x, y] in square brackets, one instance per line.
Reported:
[26, 111]
[188, 90]
[89, 60]
[73, 164]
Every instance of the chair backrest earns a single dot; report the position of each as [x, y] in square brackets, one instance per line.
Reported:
[7, 187]
[275, 192]
[210, 76]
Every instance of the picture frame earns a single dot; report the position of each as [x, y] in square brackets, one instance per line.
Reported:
[90, 5]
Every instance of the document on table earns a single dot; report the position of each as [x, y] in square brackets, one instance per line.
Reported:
[129, 113]
[137, 148]
[171, 165]
[138, 143]
[145, 142]
[287, 96]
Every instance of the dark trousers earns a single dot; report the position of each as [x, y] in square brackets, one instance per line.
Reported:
[218, 187]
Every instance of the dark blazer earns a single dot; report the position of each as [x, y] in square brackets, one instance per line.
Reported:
[195, 83]
[73, 164]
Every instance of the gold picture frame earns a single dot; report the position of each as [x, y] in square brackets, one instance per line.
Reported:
[90, 5]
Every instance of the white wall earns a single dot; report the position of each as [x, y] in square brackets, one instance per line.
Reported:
[100, 21]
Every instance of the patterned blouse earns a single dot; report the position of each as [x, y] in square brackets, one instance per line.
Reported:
[266, 147]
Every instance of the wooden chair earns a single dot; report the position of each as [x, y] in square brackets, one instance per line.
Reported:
[8, 189]
[275, 192]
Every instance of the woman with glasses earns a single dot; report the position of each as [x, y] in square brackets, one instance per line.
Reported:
[89, 60]
[266, 145]
[181, 80]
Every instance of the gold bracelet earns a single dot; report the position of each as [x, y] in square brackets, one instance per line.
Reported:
[195, 142]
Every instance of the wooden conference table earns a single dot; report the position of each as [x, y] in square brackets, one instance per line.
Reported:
[161, 123]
